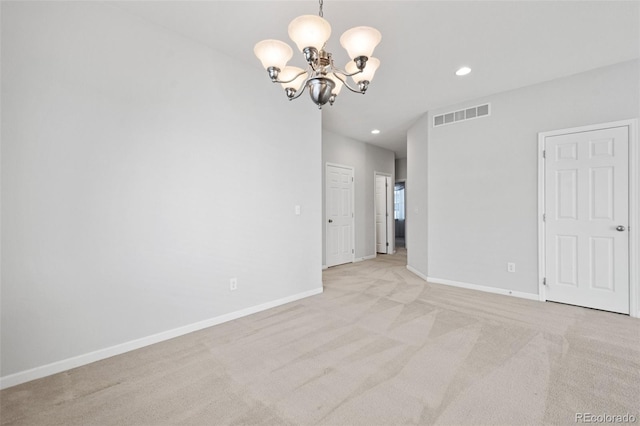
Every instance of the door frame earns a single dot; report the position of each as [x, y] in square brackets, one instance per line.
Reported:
[353, 209]
[634, 196]
[404, 201]
[391, 248]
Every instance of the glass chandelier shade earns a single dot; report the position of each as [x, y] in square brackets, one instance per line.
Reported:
[273, 53]
[336, 90]
[289, 74]
[366, 74]
[322, 79]
[360, 41]
[309, 31]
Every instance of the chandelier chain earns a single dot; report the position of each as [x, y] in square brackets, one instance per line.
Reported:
[321, 14]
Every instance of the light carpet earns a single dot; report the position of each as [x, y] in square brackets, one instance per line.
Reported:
[378, 347]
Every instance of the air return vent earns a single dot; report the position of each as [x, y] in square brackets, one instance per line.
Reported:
[463, 114]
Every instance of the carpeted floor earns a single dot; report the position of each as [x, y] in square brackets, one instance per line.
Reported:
[378, 347]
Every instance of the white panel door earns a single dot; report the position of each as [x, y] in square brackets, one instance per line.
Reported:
[339, 205]
[381, 214]
[587, 219]
[390, 220]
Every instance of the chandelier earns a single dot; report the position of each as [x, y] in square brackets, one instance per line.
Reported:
[323, 80]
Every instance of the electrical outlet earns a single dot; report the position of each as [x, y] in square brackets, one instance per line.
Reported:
[511, 267]
[233, 284]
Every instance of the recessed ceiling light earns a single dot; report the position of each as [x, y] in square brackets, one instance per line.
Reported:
[375, 131]
[463, 71]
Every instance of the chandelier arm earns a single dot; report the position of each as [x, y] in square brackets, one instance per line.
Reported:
[289, 81]
[339, 71]
[298, 93]
[347, 84]
[312, 65]
[302, 89]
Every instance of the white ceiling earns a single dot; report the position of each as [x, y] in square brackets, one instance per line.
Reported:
[508, 44]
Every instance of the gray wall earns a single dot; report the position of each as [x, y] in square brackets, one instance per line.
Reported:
[401, 169]
[482, 174]
[366, 159]
[135, 184]
[415, 234]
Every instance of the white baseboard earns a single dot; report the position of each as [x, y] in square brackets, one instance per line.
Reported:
[418, 273]
[80, 360]
[360, 259]
[486, 289]
[469, 286]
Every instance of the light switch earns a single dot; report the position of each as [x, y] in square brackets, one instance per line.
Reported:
[297, 210]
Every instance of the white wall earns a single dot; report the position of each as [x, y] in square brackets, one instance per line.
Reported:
[136, 181]
[415, 234]
[366, 159]
[482, 174]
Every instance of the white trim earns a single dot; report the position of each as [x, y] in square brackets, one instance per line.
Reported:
[589, 128]
[353, 208]
[634, 208]
[495, 290]
[371, 256]
[542, 267]
[418, 273]
[324, 267]
[469, 286]
[634, 220]
[391, 223]
[80, 360]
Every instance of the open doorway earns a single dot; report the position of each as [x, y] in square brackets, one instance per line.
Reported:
[399, 213]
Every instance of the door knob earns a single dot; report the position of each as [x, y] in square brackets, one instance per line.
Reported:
[620, 228]
[330, 220]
